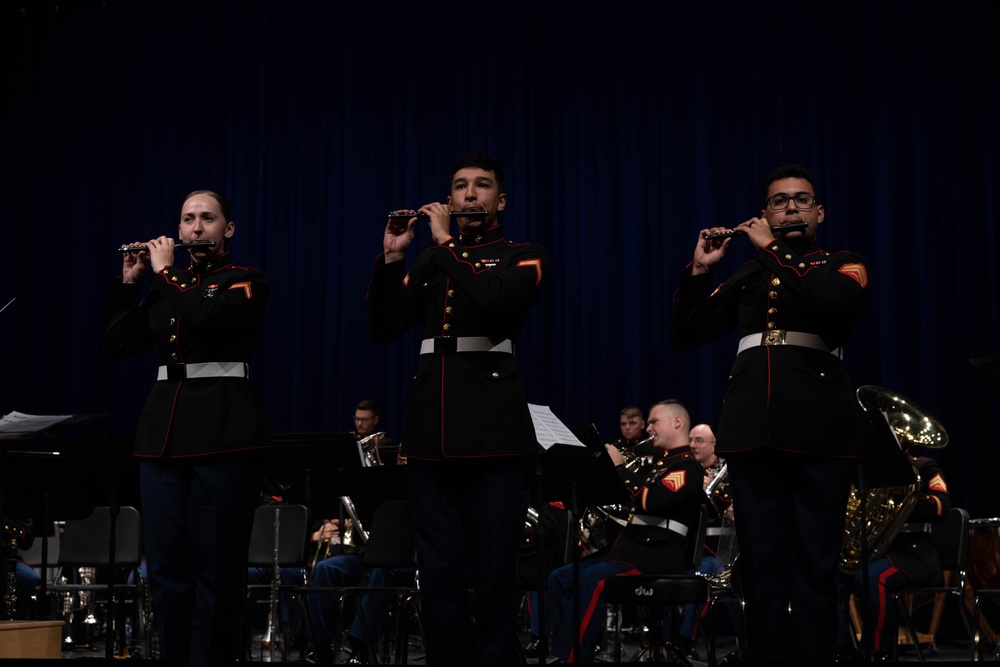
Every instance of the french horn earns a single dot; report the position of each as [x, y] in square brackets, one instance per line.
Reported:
[886, 509]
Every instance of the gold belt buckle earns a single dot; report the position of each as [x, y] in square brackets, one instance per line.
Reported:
[774, 337]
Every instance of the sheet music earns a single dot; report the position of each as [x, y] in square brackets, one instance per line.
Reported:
[18, 422]
[549, 430]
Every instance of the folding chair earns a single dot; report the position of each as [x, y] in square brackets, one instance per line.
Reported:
[390, 545]
[86, 543]
[277, 539]
[951, 539]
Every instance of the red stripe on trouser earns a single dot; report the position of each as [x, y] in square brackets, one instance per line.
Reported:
[882, 600]
[587, 616]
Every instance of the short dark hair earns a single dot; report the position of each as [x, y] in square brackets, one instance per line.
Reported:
[787, 170]
[367, 405]
[223, 204]
[631, 411]
[479, 161]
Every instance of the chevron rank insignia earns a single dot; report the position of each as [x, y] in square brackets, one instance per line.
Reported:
[675, 480]
[857, 272]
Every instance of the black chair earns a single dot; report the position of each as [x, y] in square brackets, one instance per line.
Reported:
[658, 591]
[278, 540]
[951, 539]
[389, 545]
[86, 543]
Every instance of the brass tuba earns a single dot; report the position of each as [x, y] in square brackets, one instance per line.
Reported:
[886, 509]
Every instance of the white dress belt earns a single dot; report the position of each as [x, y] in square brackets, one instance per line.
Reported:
[660, 522]
[452, 344]
[208, 369]
[719, 531]
[782, 337]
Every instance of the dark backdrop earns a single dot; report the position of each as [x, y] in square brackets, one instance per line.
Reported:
[625, 128]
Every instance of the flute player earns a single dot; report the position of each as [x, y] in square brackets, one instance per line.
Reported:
[202, 432]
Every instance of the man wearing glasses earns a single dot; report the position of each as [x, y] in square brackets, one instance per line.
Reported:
[789, 426]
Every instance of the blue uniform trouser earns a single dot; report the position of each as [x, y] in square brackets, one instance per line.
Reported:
[883, 580]
[373, 606]
[468, 520]
[593, 608]
[790, 513]
[339, 570]
[197, 519]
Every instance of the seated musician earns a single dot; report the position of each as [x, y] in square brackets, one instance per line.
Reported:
[633, 433]
[713, 562]
[910, 560]
[666, 499]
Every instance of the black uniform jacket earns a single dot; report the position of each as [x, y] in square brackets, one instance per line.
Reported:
[914, 552]
[670, 488]
[788, 397]
[211, 313]
[465, 404]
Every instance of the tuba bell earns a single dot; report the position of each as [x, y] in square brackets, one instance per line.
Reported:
[886, 509]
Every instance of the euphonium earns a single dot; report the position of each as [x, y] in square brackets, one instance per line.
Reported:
[593, 521]
[886, 509]
[369, 449]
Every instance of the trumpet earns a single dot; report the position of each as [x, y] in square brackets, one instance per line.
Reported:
[141, 247]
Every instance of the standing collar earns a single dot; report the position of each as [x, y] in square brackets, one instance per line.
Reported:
[213, 264]
[491, 235]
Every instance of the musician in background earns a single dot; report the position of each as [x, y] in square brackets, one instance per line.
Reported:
[911, 559]
[202, 433]
[339, 554]
[713, 562]
[366, 426]
[468, 436]
[789, 427]
[17, 536]
[633, 432]
[666, 497]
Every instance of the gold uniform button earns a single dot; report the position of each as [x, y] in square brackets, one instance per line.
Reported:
[774, 247]
[173, 339]
[478, 264]
[465, 254]
[184, 284]
[451, 292]
[772, 295]
[788, 256]
[448, 310]
[801, 265]
[425, 284]
[451, 245]
[446, 326]
[822, 375]
[173, 321]
[770, 325]
[173, 355]
[173, 278]
[776, 281]
[772, 310]
[495, 374]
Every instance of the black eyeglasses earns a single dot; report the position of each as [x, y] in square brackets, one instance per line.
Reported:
[802, 201]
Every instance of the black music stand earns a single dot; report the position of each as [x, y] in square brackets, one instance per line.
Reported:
[989, 368]
[317, 469]
[579, 477]
[884, 464]
[300, 464]
[66, 478]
